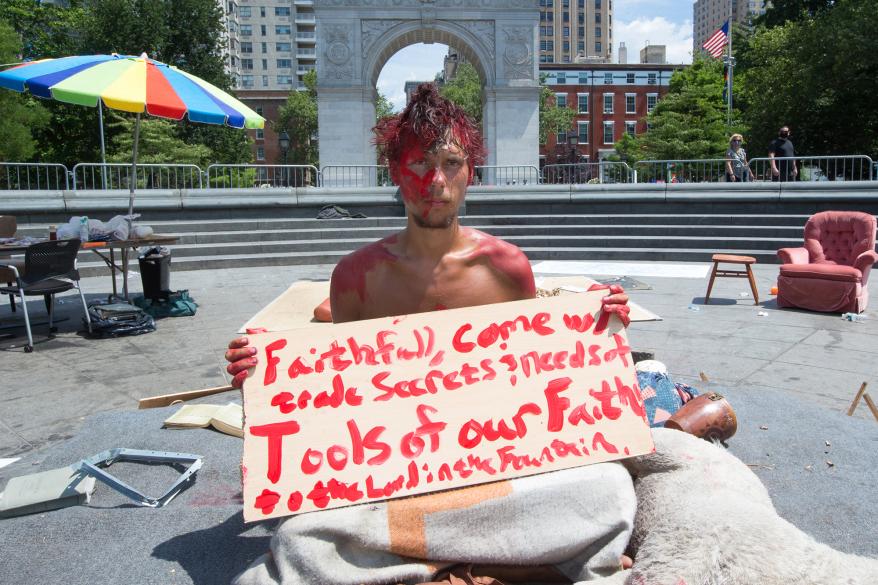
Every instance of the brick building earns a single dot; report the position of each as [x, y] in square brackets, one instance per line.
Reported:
[609, 99]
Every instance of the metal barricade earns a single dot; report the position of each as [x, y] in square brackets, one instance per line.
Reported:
[97, 176]
[33, 177]
[246, 176]
[355, 176]
[815, 168]
[602, 172]
[506, 175]
[707, 170]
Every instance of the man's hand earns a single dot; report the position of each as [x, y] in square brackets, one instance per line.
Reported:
[241, 357]
[616, 302]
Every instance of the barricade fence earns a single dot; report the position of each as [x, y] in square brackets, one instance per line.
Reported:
[16, 176]
[589, 173]
[245, 176]
[33, 177]
[97, 176]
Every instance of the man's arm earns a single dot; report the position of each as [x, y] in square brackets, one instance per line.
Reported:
[344, 300]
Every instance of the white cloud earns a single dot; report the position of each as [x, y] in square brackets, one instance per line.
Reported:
[677, 37]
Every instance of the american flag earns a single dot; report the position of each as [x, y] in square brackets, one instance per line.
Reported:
[714, 45]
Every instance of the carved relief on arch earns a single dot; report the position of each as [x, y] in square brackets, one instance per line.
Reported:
[518, 53]
[371, 30]
[483, 30]
[337, 40]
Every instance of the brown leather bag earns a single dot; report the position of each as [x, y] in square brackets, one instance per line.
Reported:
[708, 416]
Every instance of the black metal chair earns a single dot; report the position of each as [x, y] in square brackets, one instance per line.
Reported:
[50, 268]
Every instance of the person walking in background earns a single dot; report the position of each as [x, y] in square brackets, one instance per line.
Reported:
[737, 168]
[781, 148]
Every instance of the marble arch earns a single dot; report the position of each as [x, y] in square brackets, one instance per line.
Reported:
[355, 38]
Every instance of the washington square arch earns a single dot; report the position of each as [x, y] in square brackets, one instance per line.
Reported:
[357, 37]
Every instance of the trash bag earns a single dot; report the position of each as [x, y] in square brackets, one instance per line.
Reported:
[118, 319]
[336, 212]
[178, 304]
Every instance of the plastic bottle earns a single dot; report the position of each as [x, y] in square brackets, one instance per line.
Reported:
[83, 229]
[53, 233]
[855, 317]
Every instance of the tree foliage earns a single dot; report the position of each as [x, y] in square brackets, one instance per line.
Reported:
[465, 90]
[298, 117]
[552, 118]
[818, 76]
[779, 12]
[383, 107]
[158, 142]
[20, 114]
[690, 122]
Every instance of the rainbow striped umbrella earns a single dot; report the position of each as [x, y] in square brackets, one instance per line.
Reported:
[130, 84]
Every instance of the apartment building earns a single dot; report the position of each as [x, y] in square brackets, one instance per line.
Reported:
[576, 31]
[709, 15]
[609, 100]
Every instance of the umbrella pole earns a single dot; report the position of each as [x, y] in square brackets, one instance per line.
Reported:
[132, 183]
[103, 148]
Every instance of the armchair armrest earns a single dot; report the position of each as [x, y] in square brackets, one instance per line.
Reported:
[793, 255]
[864, 263]
[11, 267]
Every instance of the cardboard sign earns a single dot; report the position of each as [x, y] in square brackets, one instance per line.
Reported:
[356, 412]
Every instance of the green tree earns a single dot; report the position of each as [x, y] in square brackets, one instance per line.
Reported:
[690, 122]
[465, 90]
[298, 117]
[158, 142]
[814, 75]
[20, 114]
[46, 29]
[779, 12]
[552, 118]
[383, 107]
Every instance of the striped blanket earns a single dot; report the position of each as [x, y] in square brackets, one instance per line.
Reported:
[576, 521]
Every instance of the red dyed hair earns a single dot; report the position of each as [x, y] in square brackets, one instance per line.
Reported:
[432, 120]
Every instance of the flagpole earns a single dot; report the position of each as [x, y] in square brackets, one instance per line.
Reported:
[730, 65]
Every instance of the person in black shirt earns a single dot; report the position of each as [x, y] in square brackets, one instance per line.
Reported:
[782, 148]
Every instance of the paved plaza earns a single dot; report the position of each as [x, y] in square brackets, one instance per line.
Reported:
[789, 374]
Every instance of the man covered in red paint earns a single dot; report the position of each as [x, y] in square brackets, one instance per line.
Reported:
[573, 524]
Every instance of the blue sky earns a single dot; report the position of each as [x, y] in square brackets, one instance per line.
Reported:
[661, 22]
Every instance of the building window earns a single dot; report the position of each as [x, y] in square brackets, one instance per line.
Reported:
[246, 47]
[629, 78]
[283, 47]
[247, 64]
[582, 129]
[262, 30]
[597, 17]
[284, 79]
[580, 46]
[583, 78]
[580, 18]
[246, 81]
[260, 153]
[630, 103]
[608, 78]
[260, 134]
[562, 137]
[597, 4]
[580, 31]
[608, 133]
[598, 48]
[547, 45]
[567, 49]
[651, 100]
[246, 30]
[566, 57]
[550, 58]
[651, 79]
[560, 78]
[264, 47]
[566, 31]
[582, 103]
[281, 10]
[631, 128]
[265, 81]
[265, 63]
[262, 11]
[259, 110]
[282, 29]
[561, 100]
[597, 32]
[566, 17]
[244, 11]
[284, 63]
[608, 103]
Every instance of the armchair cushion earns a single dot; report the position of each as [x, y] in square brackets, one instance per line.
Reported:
[835, 272]
[793, 255]
[839, 236]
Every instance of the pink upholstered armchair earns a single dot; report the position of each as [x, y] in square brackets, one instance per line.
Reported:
[831, 271]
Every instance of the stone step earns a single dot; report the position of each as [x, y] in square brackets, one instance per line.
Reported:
[181, 264]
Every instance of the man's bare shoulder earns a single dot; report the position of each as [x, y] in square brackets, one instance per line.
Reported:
[367, 256]
[505, 258]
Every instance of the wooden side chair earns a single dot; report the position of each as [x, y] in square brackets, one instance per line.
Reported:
[747, 273]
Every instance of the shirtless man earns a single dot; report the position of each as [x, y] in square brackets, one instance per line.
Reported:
[434, 263]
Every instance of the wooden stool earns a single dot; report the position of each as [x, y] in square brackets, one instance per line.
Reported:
[729, 259]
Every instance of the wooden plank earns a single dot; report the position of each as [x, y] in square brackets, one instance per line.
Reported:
[168, 399]
[856, 401]
[871, 405]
